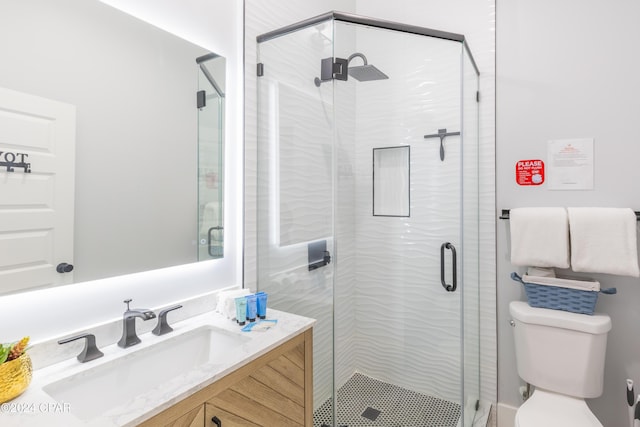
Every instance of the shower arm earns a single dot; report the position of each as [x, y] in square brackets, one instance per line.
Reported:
[357, 55]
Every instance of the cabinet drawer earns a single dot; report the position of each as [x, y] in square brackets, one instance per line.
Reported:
[269, 396]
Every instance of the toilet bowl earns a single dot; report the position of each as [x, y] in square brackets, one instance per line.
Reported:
[546, 409]
[562, 355]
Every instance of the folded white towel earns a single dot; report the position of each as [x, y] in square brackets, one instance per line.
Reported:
[541, 272]
[603, 240]
[226, 301]
[581, 284]
[539, 237]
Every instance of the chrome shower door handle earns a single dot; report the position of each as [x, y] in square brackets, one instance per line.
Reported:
[454, 284]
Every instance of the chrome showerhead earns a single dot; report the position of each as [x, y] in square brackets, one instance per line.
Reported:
[365, 73]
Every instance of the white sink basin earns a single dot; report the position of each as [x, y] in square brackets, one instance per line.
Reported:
[96, 390]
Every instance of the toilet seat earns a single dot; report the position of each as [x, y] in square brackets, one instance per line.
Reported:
[549, 409]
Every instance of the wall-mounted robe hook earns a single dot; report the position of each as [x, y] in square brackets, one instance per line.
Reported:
[442, 133]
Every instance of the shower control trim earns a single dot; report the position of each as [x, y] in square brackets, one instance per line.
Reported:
[318, 255]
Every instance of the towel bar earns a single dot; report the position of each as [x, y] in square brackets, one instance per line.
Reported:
[505, 214]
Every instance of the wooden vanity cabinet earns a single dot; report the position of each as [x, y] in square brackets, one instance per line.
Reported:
[276, 389]
[193, 418]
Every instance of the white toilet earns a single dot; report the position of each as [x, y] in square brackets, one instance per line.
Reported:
[562, 355]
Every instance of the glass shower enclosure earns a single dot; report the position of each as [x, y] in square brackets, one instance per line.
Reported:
[368, 214]
[211, 115]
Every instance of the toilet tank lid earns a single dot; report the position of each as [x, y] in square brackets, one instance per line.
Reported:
[592, 324]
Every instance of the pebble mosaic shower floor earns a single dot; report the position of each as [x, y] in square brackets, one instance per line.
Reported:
[367, 402]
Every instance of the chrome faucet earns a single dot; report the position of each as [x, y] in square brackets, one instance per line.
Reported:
[129, 336]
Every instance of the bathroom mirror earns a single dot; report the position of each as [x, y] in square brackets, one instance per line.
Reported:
[144, 145]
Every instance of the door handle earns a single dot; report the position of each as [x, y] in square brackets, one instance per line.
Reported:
[216, 421]
[63, 267]
[454, 279]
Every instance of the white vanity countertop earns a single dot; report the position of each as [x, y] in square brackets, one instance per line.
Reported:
[36, 408]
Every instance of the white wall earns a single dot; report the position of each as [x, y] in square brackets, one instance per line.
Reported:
[48, 313]
[568, 69]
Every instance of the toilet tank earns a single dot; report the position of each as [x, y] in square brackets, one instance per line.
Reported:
[560, 351]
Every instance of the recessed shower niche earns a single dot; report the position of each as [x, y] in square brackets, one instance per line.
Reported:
[332, 90]
[391, 177]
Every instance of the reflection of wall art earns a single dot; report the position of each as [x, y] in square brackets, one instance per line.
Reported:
[391, 181]
[211, 178]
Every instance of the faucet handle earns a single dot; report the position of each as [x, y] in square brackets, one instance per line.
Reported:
[90, 351]
[127, 301]
[163, 327]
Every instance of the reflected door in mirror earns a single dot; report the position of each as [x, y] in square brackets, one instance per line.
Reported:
[37, 136]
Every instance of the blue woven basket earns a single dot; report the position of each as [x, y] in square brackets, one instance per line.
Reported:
[559, 298]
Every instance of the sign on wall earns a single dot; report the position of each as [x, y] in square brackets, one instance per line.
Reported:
[530, 172]
[570, 164]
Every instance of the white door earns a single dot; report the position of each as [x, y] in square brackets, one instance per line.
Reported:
[37, 141]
